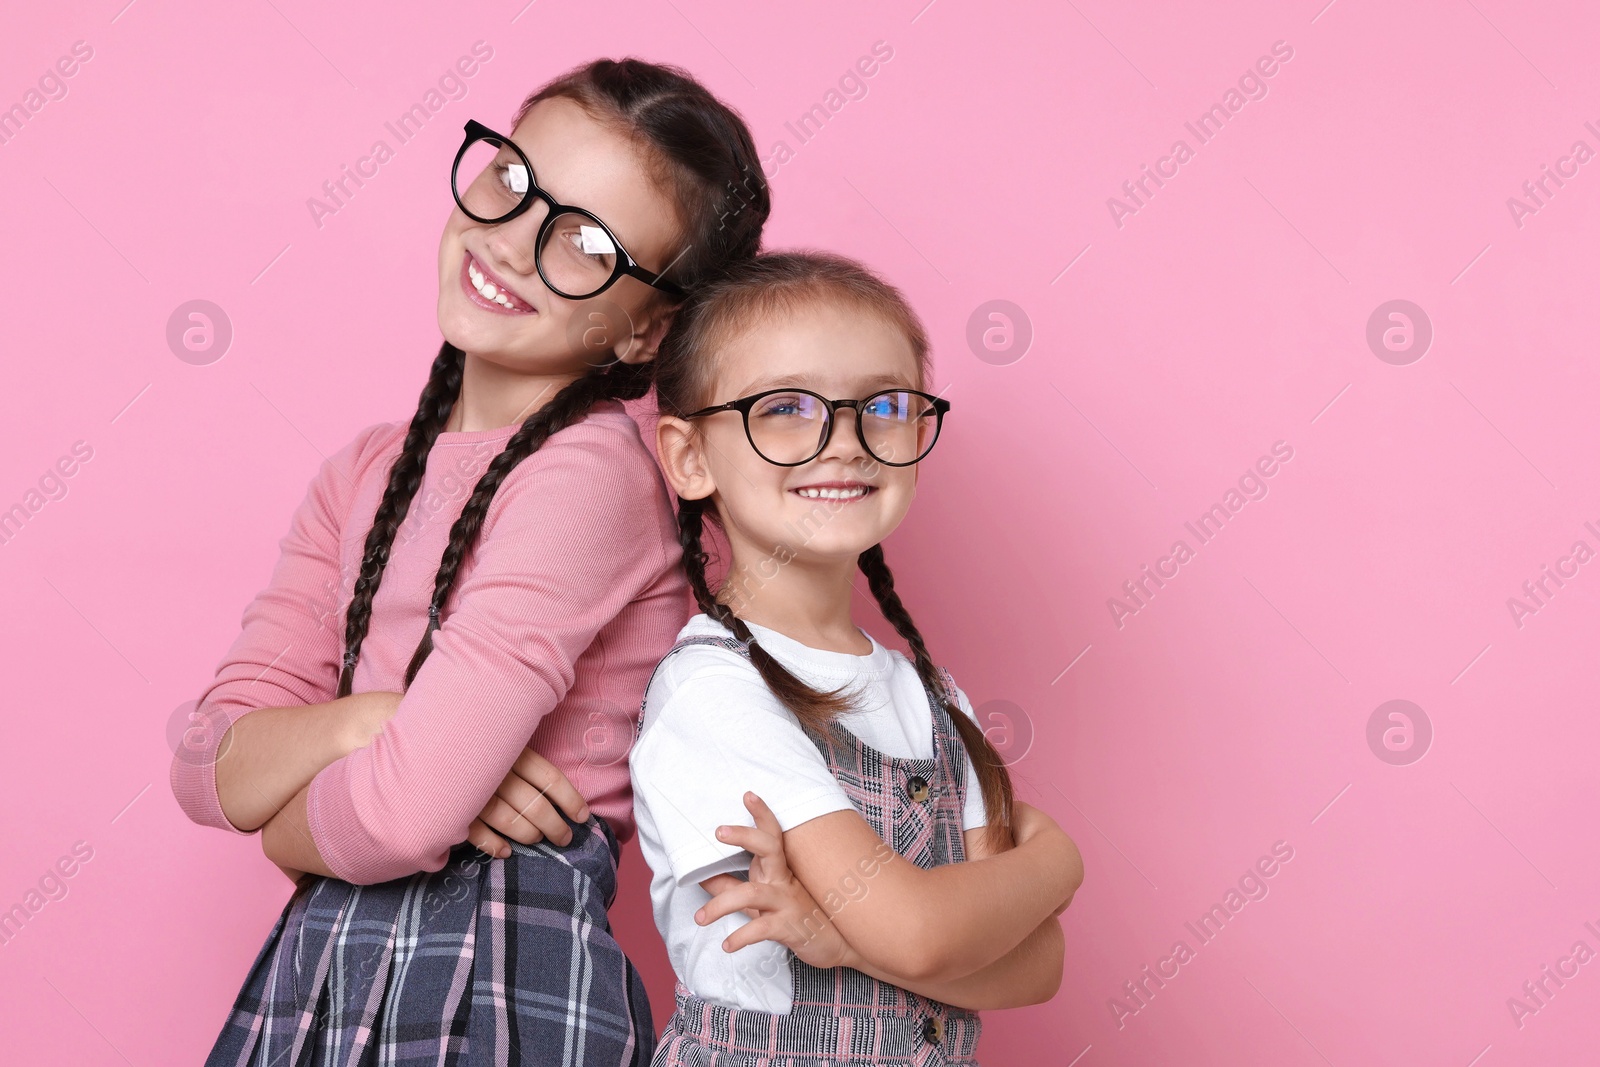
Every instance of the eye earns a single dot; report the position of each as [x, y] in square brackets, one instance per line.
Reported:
[514, 176]
[887, 406]
[786, 405]
[585, 241]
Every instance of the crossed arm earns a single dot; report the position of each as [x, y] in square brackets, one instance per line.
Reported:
[392, 796]
[271, 755]
[981, 934]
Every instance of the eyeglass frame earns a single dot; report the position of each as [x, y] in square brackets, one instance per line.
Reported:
[625, 266]
[938, 404]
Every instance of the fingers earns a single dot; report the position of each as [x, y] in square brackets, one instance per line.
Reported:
[766, 928]
[765, 820]
[486, 840]
[518, 808]
[758, 895]
[546, 778]
[718, 883]
[504, 820]
[767, 849]
[764, 840]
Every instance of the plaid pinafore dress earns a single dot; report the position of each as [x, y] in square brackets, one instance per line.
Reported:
[483, 962]
[840, 1015]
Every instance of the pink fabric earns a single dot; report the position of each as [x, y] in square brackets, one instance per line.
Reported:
[571, 596]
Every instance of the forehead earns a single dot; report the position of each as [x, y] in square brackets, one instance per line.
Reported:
[586, 163]
[835, 347]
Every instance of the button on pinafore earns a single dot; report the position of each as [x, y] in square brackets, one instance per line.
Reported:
[841, 1015]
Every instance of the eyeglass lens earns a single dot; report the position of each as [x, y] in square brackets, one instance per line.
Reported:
[898, 426]
[576, 257]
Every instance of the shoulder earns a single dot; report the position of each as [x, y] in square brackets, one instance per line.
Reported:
[599, 458]
[595, 476]
[702, 683]
[370, 444]
[607, 437]
[364, 456]
[952, 692]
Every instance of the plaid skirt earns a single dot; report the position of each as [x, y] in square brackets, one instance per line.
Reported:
[483, 962]
[851, 1022]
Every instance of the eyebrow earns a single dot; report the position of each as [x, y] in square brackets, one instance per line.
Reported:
[804, 381]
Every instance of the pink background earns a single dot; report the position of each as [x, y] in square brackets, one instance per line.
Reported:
[1229, 313]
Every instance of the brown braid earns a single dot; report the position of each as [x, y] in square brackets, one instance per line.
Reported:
[811, 706]
[616, 380]
[993, 778]
[405, 476]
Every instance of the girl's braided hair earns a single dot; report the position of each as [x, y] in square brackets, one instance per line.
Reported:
[723, 310]
[702, 152]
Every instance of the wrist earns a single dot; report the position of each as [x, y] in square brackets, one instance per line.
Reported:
[850, 957]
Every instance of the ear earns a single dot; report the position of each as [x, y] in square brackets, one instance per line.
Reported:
[682, 458]
[649, 327]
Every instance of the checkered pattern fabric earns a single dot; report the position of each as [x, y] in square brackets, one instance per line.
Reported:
[484, 962]
[840, 1015]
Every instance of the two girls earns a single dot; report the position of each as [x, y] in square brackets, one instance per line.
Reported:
[843, 926]
[482, 686]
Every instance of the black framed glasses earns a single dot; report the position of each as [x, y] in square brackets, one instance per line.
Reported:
[789, 427]
[577, 255]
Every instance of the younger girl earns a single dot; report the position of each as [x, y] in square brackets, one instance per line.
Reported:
[497, 638]
[794, 412]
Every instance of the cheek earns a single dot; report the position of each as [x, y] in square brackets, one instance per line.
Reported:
[454, 224]
[898, 492]
[736, 468]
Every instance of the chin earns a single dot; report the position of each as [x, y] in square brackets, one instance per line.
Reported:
[463, 326]
[838, 546]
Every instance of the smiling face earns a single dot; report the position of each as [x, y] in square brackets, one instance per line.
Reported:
[582, 162]
[832, 508]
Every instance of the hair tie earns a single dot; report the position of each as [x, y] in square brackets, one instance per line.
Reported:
[349, 659]
[433, 614]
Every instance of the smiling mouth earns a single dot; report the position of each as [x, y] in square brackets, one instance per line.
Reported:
[835, 492]
[488, 290]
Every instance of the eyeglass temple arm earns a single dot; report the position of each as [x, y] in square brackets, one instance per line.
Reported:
[732, 405]
[633, 270]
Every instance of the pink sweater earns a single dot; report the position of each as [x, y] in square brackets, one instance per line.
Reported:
[548, 637]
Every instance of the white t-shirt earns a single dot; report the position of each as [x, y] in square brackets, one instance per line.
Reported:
[711, 730]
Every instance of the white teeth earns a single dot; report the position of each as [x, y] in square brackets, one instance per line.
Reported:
[833, 494]
[489, 292]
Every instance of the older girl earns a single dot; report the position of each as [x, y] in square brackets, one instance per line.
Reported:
[492, 647]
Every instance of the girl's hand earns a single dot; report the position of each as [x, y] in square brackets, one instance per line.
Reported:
[780, 906]
[523, 809]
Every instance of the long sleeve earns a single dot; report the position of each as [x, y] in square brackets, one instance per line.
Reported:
[291, 633]
[576, 532]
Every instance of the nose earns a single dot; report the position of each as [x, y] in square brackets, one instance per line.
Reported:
[844, 441]
[515, 241]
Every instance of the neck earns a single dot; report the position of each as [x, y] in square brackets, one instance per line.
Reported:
[493, 396]
[807, 600]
